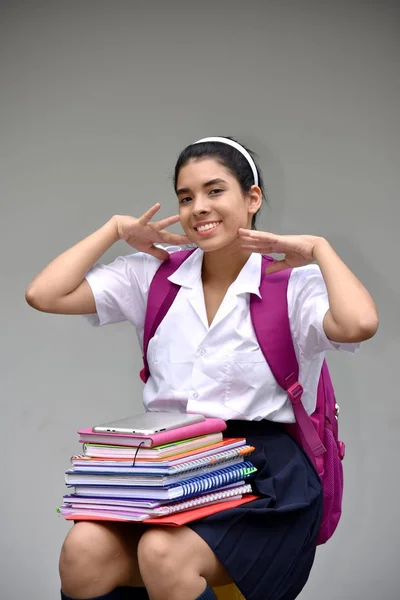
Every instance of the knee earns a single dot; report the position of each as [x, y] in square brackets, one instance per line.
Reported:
[156, 554]
[88, 547]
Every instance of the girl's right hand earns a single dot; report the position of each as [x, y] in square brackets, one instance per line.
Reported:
[142, 234]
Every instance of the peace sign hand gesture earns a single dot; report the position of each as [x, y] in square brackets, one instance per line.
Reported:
[142, 234]
[298, 249]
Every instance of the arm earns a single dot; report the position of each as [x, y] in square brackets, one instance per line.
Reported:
[62, 288]
[352, 314]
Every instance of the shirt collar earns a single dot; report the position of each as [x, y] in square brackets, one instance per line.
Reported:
[248, 280]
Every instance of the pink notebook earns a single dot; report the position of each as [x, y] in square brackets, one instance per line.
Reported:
[209, 425]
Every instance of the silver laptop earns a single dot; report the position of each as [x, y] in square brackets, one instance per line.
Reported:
[148, 423]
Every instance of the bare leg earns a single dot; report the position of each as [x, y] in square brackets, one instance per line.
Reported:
[98, 557]
[177, 564]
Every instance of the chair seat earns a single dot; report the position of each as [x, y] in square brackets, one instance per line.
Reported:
[228, 592]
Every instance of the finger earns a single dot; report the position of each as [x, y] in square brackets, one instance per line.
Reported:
[247, 239]
[253, 233]
[253, 239]
[256, 241]
[159, 253]
[257, 235]
[257, 249]
[257, 246]
[149, 214]
[174, 238]
[159, 225]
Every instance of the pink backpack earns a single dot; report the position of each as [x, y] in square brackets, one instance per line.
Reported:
[318, 434]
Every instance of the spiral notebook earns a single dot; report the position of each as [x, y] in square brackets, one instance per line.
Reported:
[176, 454]
[157, 475]
[84, 501]
[139, 514]
[129, 502]
[219, 496]
[175, 519]
[182, 490]
[199, 512]
[84, 465]
[136, 514]
[129, 477]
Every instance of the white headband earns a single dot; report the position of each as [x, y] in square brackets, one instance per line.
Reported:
[239, 148]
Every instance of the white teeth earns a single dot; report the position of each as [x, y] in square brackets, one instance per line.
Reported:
[208, 226]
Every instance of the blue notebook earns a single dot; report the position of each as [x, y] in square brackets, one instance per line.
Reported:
[185, 489]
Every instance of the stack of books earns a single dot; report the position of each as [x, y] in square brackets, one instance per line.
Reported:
[188, 472]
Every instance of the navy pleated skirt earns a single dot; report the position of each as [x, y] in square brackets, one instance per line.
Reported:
[268, 545]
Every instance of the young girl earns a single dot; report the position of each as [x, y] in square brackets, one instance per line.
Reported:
[204, 358]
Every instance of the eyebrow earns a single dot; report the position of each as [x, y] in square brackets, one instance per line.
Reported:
[205, 185]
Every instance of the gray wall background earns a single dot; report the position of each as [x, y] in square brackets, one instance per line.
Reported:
[97, 100]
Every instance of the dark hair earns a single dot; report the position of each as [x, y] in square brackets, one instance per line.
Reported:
[230, 158]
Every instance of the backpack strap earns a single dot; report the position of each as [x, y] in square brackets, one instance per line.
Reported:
[270, 319]
[273, 333]
[161, 295]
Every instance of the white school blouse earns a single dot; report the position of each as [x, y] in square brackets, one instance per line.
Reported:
[217, 370]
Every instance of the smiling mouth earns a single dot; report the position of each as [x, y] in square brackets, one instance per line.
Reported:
[207, 227]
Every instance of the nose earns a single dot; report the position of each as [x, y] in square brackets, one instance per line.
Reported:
[200, 206]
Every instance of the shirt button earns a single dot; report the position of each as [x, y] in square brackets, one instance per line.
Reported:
[195, 395]
[202, 352]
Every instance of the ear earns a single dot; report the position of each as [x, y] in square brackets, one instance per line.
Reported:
[254, 199]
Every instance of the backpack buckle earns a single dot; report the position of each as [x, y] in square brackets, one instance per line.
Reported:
[142, 375]
[295, 392]
[341, 449]
[337, 411]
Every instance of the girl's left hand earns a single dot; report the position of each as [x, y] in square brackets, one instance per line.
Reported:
[298, 249]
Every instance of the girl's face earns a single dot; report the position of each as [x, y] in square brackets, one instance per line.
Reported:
[212, 206]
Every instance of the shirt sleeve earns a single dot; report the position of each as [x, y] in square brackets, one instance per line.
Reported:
[120, 289]
[307, 305]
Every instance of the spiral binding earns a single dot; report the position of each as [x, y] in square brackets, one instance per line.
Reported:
[210, 482]
[208, 498]
[188, 467]
[208, 461]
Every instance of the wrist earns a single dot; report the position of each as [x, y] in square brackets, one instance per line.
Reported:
[321, 244]
[112, 226]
